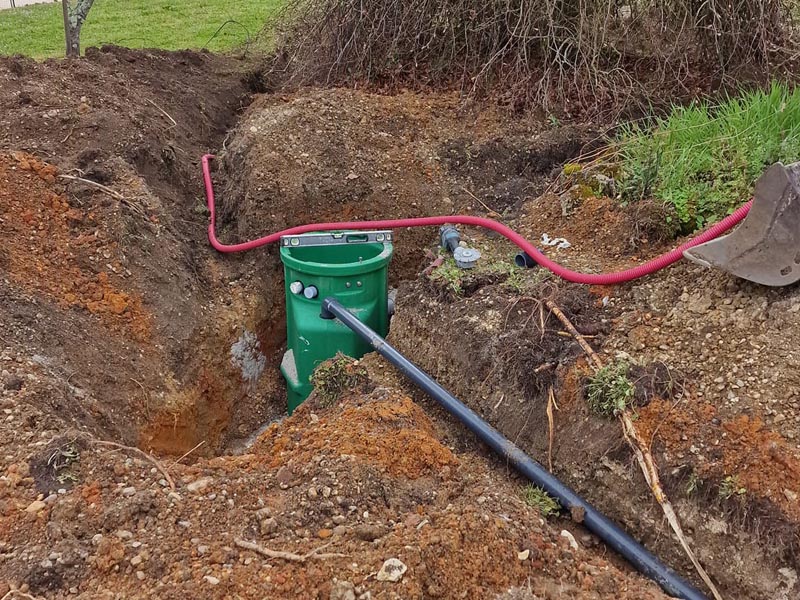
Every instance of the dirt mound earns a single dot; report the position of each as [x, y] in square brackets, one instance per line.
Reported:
[370, 433]
[344, 155]
[48, 246]
[457, 523]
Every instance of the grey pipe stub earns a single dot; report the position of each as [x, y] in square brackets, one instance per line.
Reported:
[466, 257]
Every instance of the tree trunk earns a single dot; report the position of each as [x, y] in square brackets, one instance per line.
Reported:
[73, 21]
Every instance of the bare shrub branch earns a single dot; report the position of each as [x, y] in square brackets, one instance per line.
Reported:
[529, 52]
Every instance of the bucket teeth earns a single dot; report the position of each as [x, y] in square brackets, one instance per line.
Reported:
[765, 248]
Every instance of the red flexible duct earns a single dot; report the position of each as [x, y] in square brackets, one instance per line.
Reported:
[587, 278]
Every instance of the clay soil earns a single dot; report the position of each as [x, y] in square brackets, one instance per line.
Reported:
[146, 453]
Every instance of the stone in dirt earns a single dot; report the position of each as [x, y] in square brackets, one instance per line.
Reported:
[369, 532]
[200, 484]
[343, 590]
[392, 570]
[36, 506]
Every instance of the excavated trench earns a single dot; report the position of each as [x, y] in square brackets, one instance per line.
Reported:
[206, 378]
[325, 156]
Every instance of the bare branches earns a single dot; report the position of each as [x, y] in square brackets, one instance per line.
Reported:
[533, 51]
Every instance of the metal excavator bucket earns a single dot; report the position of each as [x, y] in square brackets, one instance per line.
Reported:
[765, 248]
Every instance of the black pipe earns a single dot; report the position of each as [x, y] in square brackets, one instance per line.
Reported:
[594, 520]
[524, 260]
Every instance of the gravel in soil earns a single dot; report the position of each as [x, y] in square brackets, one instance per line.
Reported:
[321, 482]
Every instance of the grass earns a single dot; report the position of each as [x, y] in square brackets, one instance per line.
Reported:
[704, 159]
[537, 498]
[610, 390]
[337, 375]
[450, 275]
[37, 30]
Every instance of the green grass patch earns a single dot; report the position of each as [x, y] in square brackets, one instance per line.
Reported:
[38, 30]
[537, 498]
[610, 390]
[703, 159]
[337, 375]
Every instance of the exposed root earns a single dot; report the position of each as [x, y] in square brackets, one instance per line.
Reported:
[139, 452]
[643, 456]
[650, 471]
[598, 364]
[551, 402]
[99, 186]
[290, 556]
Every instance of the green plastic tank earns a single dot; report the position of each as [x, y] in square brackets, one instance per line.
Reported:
[351, 266]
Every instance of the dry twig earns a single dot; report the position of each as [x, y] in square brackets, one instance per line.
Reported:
[290, 556]
[163, 112]
[185, 454]
[139, 452]
[99, 186]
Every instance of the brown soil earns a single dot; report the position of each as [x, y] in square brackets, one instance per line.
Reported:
[124, 279]
[49, 247]
[120, 323]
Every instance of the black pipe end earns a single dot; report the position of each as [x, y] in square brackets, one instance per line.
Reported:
[524, 260]
[324, 313]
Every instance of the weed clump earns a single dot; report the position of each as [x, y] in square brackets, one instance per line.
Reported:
[730, 487]
[450, 275]
[337, 375]
[610, 391]
[537, 498]
[703, 159]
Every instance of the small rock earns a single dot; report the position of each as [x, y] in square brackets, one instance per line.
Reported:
[324, 534]
[129, 491]
[14, 383]
[136, 560]
[202, 550]
[312, 492]
[200, 484]
[339, 530]
[790, 495]
[570, 538]
[392, 570]
[123, 534]
[36, 506]
[268, 526]
[211, 579]
[339, 519]
[524, 555]
[140, 575]
[370, 531]
[343, 590]
[284, 476]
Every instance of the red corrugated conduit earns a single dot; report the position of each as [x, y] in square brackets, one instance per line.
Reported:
[587, 278]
